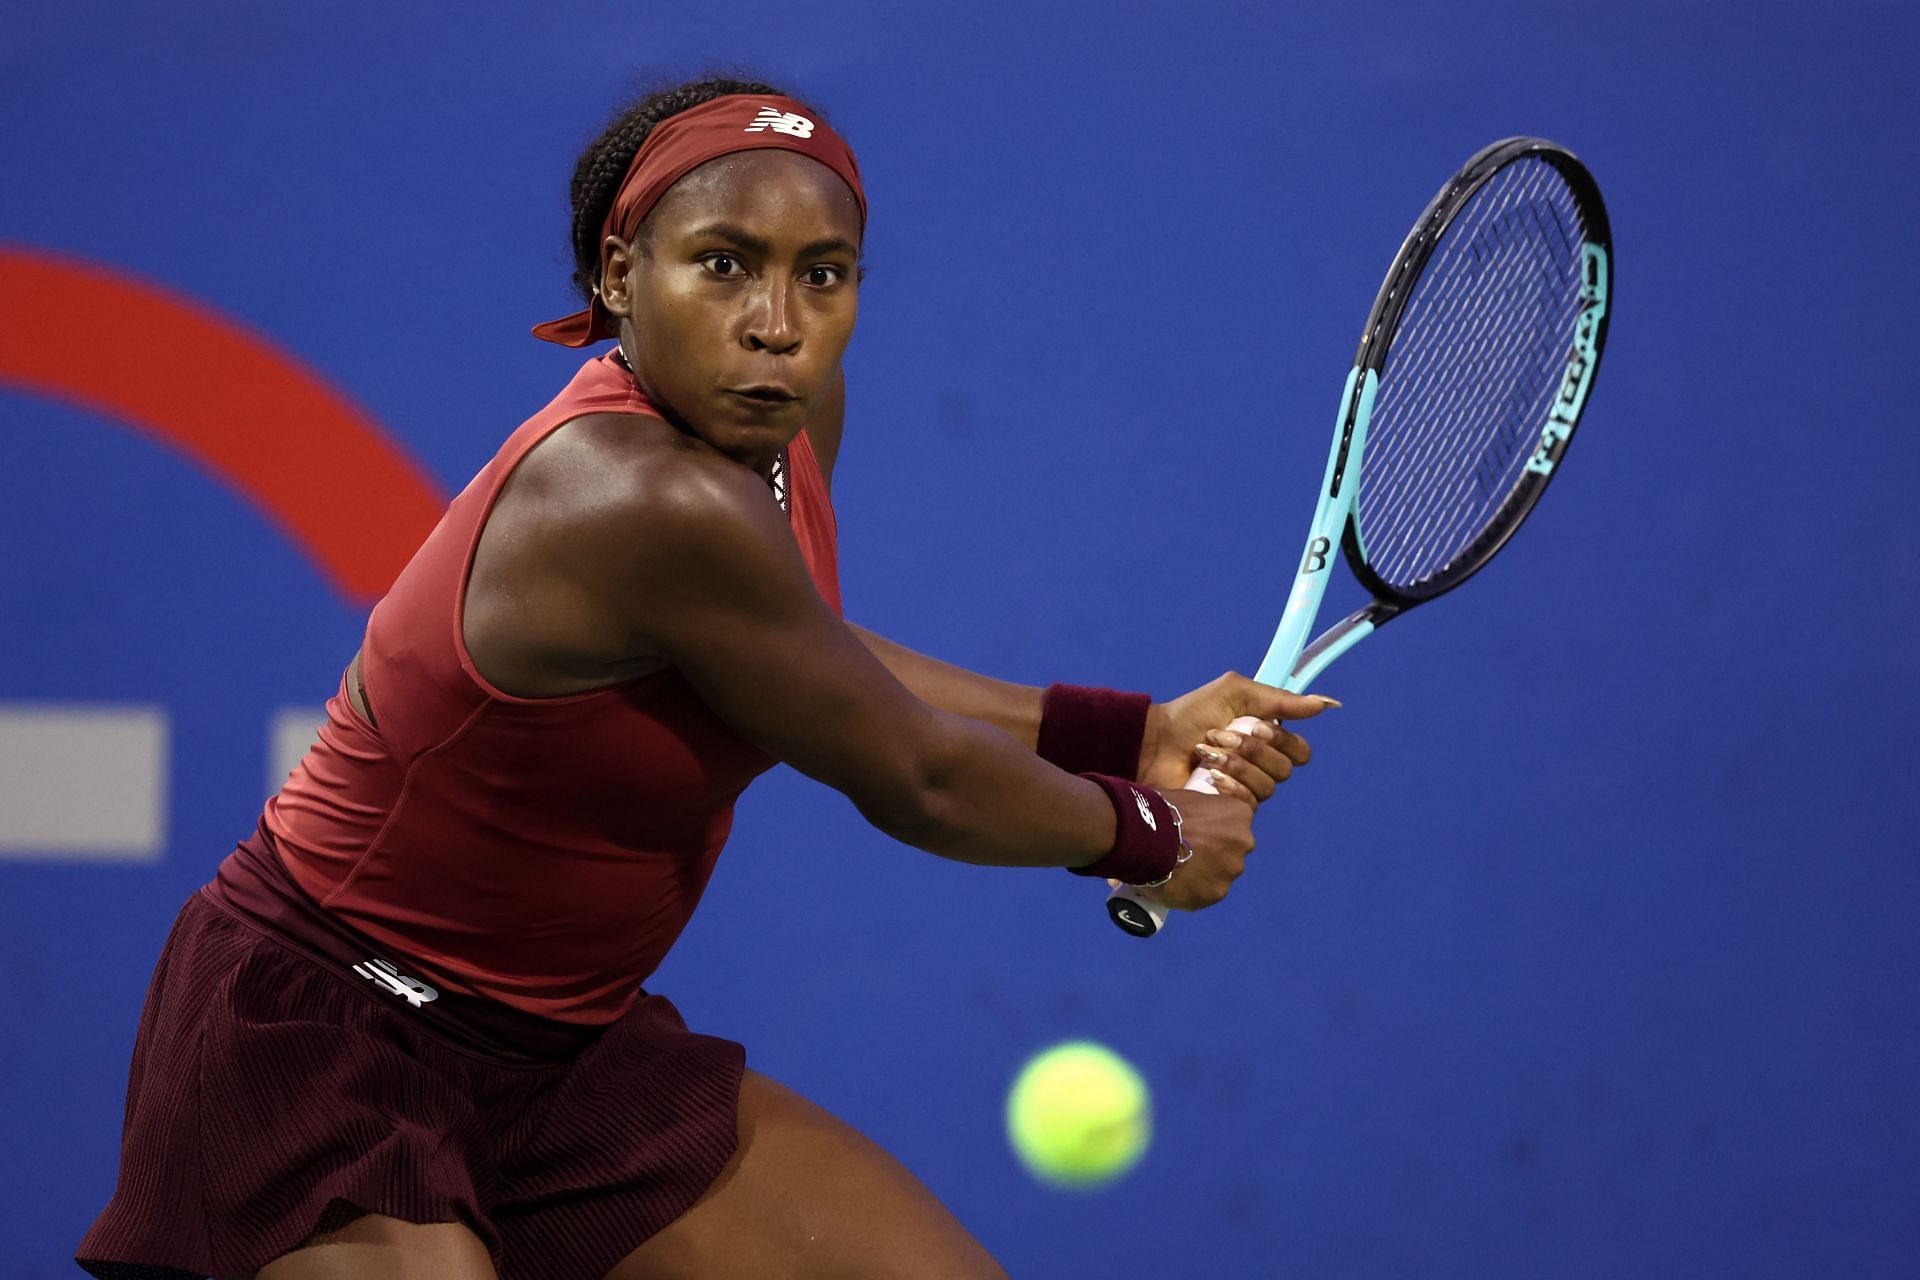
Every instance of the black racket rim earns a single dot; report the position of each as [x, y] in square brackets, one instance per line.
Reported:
[1376, 344]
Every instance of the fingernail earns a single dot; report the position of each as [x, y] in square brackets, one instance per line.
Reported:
[1332, 702]
[1210, 755]
[1219, 779]
[1262, 729]
[1224, 737]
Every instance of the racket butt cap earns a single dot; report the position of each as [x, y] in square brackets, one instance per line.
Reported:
[1132, 915]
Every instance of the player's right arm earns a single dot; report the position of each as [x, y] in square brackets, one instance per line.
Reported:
[690, 559]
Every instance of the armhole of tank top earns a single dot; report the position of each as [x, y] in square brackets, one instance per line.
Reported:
[494, 489]
[803, 443]
[817, 483]
[367, 719]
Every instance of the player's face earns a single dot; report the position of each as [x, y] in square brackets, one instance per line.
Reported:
[739, 297]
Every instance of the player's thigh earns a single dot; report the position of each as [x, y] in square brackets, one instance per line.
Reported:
[372, 1247]
[806, 1198]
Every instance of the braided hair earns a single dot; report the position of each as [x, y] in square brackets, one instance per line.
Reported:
[597, 176]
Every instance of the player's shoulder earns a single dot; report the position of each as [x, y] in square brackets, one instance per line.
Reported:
[634, 482]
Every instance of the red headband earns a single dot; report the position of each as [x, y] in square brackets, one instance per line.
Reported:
[682, 143]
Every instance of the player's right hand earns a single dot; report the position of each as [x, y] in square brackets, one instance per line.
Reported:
[1220, 829]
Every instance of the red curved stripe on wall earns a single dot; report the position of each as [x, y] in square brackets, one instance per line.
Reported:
[267, 425]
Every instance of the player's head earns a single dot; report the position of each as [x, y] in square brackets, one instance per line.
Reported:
[735, 292]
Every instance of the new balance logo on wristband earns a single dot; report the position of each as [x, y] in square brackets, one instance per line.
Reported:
[415, 991]
[781, 122]
[1145, 813]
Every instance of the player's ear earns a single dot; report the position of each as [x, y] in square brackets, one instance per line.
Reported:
[617, 258]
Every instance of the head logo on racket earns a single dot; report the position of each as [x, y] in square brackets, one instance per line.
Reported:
[1586, 354]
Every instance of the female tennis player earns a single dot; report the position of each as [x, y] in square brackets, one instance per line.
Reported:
[403, 1031]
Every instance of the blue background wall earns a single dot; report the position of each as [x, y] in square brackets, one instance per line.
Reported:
[1586, 947]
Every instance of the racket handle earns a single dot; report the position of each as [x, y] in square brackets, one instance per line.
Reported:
[1136, 910]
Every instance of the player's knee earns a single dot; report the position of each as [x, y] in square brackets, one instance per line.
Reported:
[373, 1247]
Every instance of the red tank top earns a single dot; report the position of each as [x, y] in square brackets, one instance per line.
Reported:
[544, 853]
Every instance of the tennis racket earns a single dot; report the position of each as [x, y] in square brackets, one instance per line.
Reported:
[1473, 369]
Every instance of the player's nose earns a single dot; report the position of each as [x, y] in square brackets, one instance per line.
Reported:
[772, 320]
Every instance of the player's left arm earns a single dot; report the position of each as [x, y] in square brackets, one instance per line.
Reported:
[1180, 735]
[1011, 708]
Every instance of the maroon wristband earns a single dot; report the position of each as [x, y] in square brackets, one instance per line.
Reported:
[1086, 730]
[1146, 847]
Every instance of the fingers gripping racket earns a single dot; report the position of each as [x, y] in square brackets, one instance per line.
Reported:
[1473, 369]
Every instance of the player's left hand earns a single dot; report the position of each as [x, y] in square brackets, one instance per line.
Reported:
[1190, 732]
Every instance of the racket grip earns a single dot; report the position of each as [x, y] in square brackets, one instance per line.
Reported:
[1137, 911]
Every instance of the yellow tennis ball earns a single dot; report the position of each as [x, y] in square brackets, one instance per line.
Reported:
[1079, 1115]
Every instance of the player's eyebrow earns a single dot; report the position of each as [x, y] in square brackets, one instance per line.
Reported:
[831, 244]
[746, 240]
[733, 235]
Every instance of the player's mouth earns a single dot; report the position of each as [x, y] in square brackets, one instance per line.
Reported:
[771, 395]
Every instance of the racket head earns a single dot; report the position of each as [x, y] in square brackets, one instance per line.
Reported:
[1485, 338]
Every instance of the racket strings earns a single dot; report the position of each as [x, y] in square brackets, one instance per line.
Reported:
[1443, 391]
[1465, 475]
[1429, 486]
[1480, 350]
[1435, 490]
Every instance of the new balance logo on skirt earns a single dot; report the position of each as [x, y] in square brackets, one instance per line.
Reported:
[781, 122]
[416, 992]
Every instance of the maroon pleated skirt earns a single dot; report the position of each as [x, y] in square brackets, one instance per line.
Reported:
[275, 1092]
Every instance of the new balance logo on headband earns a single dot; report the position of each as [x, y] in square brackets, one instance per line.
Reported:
[781, 122]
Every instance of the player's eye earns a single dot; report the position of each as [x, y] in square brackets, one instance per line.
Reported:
[724, 265]
[823, 276]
